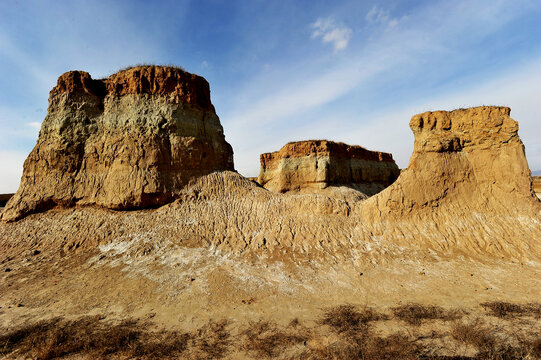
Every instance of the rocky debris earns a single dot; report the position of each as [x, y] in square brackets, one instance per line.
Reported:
[132, 140]
[470, 159]
[312, 165]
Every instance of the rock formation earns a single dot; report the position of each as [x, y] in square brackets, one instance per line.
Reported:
[4, 199]
[129, 141]
[467, 158]
[537, 185]
[308, 166]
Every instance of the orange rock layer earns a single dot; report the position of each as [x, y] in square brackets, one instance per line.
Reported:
[173, 82]
[325, 148]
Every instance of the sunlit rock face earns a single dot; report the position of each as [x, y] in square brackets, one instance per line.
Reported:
[132, 140]
[469, 159]
[309, 166]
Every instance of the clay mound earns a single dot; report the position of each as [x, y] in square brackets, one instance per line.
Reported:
[314, 165]
[132, 140]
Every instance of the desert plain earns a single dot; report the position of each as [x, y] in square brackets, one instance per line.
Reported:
[132, 236]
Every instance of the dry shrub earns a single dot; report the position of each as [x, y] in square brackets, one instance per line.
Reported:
[352, 337]
[505, 310]
[129, 67]
[355, 345]
[491, 344]
[414, 314]
[347, 317]
[358, 341]
[212, 341]
[268, 340]
[55, 338]
[475, 333]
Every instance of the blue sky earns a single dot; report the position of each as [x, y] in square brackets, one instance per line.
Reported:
[352, 71]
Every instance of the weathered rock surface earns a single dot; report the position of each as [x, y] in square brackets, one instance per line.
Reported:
[309, 166]
[469, 159]
[132, 140]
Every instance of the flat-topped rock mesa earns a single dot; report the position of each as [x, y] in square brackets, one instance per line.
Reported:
[469, 158]
[308, 166]
[132, 140]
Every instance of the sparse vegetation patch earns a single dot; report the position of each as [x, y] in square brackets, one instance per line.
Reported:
[505, 310]
[415, 314]
[342, 332]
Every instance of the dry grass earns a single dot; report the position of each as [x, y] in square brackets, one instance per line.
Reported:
[266, 339]
[348, 317]
[129, 67]
[396, 346]
[55, 338]
[415, 314]
[343, 332]
[506, 310]
[357, 339]
[212, 341]
[491, 343]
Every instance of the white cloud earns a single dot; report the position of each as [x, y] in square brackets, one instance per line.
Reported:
[296, 104]
[329, 32]
[377, 14]
[34, 125]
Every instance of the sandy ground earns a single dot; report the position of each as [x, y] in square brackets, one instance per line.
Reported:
[189, 286]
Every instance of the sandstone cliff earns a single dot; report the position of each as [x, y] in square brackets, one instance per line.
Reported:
[309, 166]
[129, 141]
[147, 136]
[468, 159]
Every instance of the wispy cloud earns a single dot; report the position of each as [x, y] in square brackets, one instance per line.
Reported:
[292, 103]
[329, 32]
[381, 16]
[34, 125]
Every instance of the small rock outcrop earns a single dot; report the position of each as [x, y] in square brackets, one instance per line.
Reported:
[129, 141]
[312, 165]
[468, 159]
[537, 185]
[4, 199]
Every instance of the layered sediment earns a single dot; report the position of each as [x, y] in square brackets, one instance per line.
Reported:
[470, 159]
[132, 140]
[313, 165]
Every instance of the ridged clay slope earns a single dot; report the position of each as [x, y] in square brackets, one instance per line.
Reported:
[129, 141]
[313, 165]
